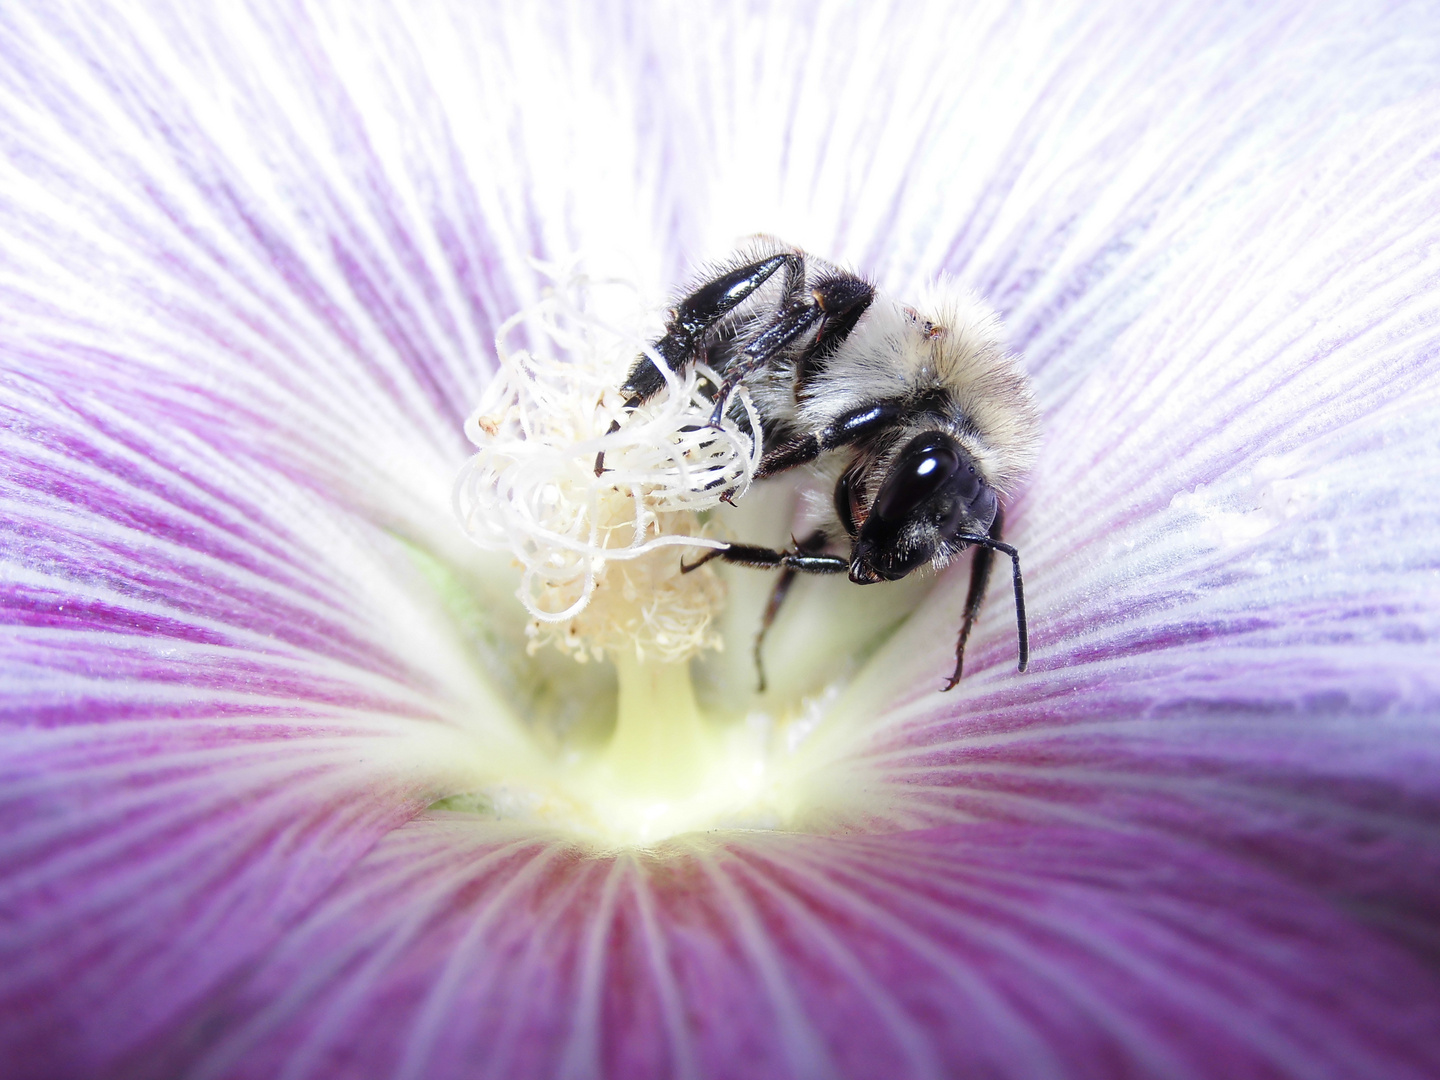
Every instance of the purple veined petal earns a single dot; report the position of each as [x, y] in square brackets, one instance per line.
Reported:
[151, 534]
[1230, 563]
[458, 949]
[134, 890]
[281, 238]
[239, 312]
[208, 714]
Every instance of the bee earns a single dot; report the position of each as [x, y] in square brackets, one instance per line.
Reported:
[917, 415]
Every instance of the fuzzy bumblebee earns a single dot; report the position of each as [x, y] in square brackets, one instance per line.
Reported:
[917, 416]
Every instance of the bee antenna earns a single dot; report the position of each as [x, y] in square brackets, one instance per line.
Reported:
[1006, 549]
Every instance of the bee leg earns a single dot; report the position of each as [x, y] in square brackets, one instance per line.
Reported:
[810, 545]
[771, 342]
[985, 548]
[697, 313]
[614, 427]
[834, 304]
[762, 558]
[846, 428]
[845, 298]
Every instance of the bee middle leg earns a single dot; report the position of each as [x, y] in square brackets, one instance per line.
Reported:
[811, 545]
[805, 559]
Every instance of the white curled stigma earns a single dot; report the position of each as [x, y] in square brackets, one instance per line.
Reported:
[600, 555]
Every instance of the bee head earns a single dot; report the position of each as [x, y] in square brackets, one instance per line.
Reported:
[932, 492]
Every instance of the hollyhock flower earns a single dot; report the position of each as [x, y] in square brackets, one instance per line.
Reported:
[285, 795]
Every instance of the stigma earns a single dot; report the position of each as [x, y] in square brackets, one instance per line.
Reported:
[600, 549]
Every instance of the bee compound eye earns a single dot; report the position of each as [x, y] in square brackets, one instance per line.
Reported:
[967, 505]
[983, 508]
[966, 483]
[917, 475]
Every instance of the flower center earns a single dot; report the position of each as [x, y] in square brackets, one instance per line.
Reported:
[600, 502]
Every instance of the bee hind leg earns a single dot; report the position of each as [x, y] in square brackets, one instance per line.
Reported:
[692, 320]
[696, 314]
